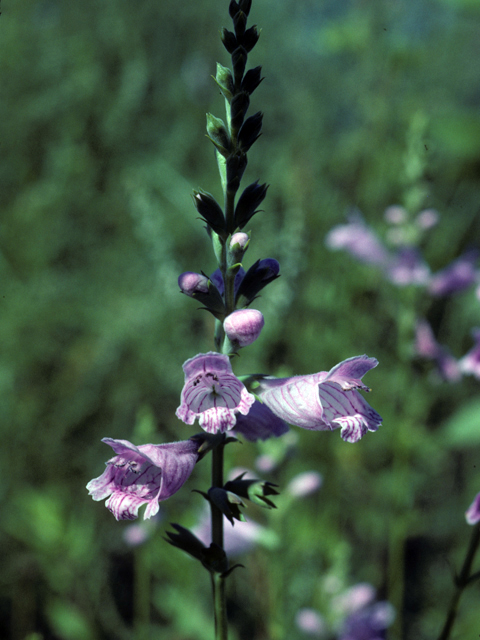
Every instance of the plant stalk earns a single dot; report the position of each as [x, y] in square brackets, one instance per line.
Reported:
[461, 582]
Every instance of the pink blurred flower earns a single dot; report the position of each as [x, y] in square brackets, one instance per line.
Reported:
[470, 363]
[304, 484]
[326, 400]
[407, 267]
[359, 240]
[457, 276]
[311, 622]
[427, 347]
[472, 514]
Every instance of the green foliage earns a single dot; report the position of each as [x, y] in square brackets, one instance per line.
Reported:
[102, 142]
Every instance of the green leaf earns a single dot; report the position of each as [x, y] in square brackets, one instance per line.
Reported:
[463, 428]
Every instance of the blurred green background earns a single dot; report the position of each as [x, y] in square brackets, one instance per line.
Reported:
[102, 136]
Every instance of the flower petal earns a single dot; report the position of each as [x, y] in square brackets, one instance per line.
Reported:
[212, 393]
[260, 423]
[146, 474]
[348, 373]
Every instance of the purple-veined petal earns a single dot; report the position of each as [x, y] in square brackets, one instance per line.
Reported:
[348, 410]
[146, 474]
[324, 401]
[212, 393]
[348, 373]
[294, 400]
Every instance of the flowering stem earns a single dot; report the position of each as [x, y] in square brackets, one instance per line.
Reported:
[217, 481]
[461, 582]
[218, 581]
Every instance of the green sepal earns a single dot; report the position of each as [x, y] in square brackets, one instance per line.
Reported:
[254, 490]
[239, 62]
[210, 211]
[212, 300]
[236, 165]
[218, 134]
[186, 541]
[238, 109]
[208, 442]
[228, 503]
[224, 80]
[229, 40]
[250, 38]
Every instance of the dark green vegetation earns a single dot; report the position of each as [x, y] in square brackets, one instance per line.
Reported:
[102, 142]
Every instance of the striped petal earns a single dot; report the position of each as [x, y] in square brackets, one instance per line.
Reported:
[212, 393]
[325, 401]
[146, 474]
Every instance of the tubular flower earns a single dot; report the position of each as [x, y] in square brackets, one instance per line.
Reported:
[212, 393]
[146, 474]
[326, 400]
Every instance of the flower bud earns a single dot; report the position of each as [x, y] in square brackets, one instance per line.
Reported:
[237, 246]
[243, 327]
[257, 277]
[191, 283]
[198, 286]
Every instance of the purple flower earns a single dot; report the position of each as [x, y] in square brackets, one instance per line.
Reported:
[470, 363]
[407, 267]
[243, 327]
[370, 623]
[311, 622]
[304, 484]
[212, 393]
[259, 424]
[427, 347]
[146, 474]
[472, 514]
[325, 400]
[459, 275]
[359, 240]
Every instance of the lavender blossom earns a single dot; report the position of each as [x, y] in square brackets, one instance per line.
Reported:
[408, 268]
[472, 514]
[370, 623]
[326, 400]
[146, 474]
[427, 347]
[304, 484]
[457, 276]
[212, 393]
[311, 622]
[470, 363]
[359, 240]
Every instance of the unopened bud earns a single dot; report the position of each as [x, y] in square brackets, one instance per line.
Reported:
[191, 283]
[243, 327]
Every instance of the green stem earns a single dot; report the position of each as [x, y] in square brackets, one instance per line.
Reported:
[218, 582]
[217, 481]
[219, 602]
[461, 582]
